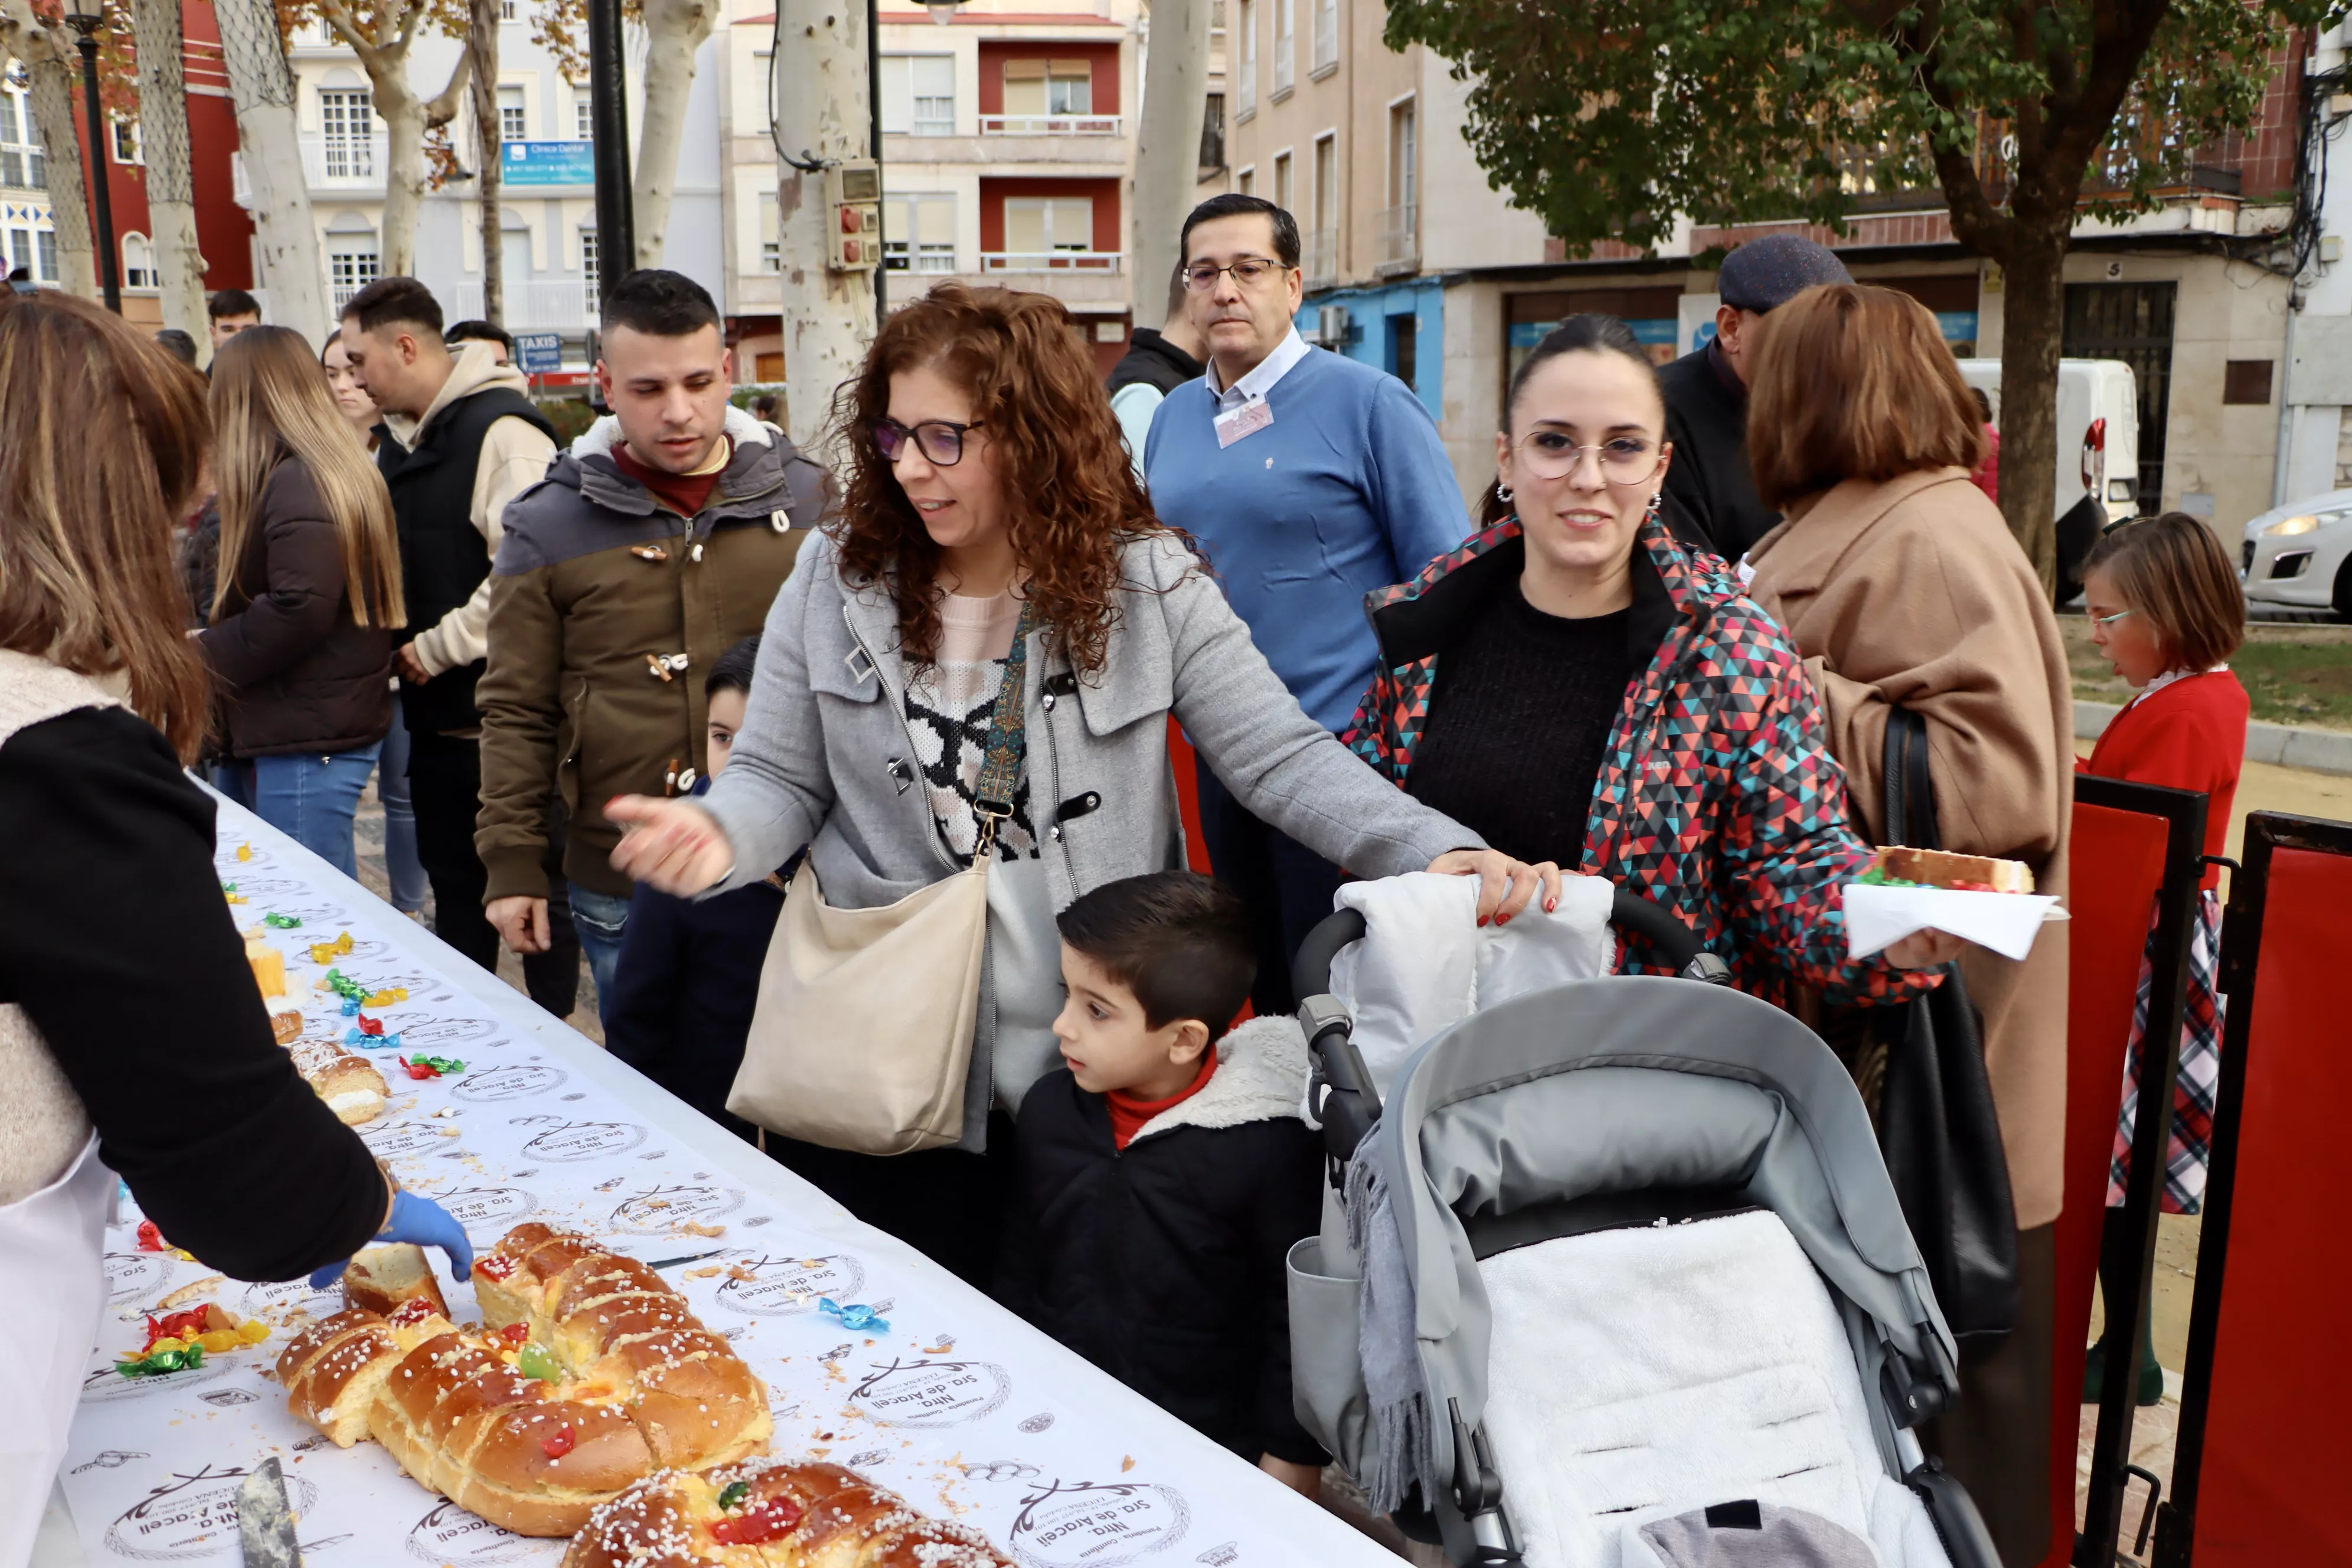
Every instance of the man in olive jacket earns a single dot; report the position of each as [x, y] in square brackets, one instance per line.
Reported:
[650, 548]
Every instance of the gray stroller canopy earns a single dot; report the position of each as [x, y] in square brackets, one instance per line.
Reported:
[1621, 1084]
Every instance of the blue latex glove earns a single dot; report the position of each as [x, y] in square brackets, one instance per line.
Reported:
[419, 1220]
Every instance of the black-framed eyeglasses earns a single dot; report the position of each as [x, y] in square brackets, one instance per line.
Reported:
[1250, 270]
[941, 439]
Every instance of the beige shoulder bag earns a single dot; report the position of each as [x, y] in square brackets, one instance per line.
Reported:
[861, 1037]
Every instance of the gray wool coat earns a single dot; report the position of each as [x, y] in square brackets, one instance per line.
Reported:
[824, 758]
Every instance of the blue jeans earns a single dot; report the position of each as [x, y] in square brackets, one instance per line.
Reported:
[599, 919]
[308, 797]
[401, 866]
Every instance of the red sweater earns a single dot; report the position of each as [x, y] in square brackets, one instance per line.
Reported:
[2189, 735]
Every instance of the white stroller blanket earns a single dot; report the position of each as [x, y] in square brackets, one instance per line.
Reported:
[1425, 964]
[1639, 1374]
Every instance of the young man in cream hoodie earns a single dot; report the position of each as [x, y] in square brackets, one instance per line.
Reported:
[460, 440]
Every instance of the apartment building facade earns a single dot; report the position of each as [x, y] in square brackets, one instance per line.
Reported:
[223, 232]
[1008, 148]
[1415, 264]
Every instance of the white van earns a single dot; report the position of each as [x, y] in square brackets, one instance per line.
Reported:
[2098, 451]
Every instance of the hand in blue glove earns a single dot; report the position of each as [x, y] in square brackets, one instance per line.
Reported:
[419, 1220]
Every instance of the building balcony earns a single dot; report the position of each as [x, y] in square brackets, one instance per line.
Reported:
[1095, 283]
[1079, 151]
[543, 305]
[344, 163]
[1321, 258]
[1050, 124]
[1049, 260]
[1400, 241]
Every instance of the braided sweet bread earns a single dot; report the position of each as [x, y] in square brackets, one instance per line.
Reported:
[532, 1421]
[764, 1514]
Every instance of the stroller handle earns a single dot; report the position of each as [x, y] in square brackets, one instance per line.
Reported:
[1677, 943]
[1338, 1078]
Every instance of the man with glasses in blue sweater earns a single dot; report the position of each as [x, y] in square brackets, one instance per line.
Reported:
[1310, 480]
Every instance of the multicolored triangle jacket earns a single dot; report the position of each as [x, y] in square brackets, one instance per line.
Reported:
[1718, 798]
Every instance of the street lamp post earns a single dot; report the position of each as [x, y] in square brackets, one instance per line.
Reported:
[86, 17]
[608, 118]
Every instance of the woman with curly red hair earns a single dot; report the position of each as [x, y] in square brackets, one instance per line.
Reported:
[989, 492]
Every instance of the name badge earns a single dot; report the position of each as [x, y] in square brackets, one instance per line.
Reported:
[1243, 422]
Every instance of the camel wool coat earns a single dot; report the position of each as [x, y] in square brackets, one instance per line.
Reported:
[1911, 592]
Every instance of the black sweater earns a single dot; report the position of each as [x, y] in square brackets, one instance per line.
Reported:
[115, 942]
[1518, 718]
[685, 988]
[1163, 1264]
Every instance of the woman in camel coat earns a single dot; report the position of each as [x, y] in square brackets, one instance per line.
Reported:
[1901, 585]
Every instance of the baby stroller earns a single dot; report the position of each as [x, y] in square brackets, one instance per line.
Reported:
[1623, 1281]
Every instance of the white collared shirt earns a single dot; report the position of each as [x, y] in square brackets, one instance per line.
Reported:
[2159, 682]
[1253, 387]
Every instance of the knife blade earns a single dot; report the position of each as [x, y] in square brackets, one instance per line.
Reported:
[265, 1523]
[689, 1258]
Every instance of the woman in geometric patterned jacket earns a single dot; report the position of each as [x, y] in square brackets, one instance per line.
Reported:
[1575, 685]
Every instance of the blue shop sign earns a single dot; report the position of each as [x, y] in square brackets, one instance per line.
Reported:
[547, 163]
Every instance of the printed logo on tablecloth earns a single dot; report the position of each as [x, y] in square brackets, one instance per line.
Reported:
[132, 1275]
[104, 1385]
[450, 1535]
[113, 1459]
[1096, 1524]
[440, 1031]
[518, 1082]
[1037, 1423]
[927, 1393]
[568, 1142]
[781, 1286]
[258, 890]
[281, 1301]
[1217, 1556]
[661, 1210]
[188, 1517]
[487, 1209]
[397, 1140]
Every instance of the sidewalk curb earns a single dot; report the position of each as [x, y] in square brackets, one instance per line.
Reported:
[2281, 745]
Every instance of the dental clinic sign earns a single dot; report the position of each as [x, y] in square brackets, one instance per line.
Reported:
[547, 163]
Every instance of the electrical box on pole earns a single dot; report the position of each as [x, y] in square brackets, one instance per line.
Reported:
[853, 193]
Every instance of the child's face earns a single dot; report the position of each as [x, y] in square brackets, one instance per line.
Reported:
[726, 718]
[1107, 1044]
[2132, 645]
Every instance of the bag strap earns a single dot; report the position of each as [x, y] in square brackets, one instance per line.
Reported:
[1008, 743]
[1909, 815]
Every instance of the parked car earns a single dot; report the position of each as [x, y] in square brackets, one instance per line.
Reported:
[2098, 452]
[2300, 554]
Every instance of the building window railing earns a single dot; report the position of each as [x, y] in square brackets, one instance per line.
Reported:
[329, 161]
[1321, 258]
[1050, 260]
[544, 303]
[1400, 238]
[1049, 124]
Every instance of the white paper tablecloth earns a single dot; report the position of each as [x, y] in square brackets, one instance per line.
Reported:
[960, 1407]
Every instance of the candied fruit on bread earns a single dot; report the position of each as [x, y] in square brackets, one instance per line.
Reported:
[1942, 868]
[603, 1376]
[769, 1515]
[386, 1277]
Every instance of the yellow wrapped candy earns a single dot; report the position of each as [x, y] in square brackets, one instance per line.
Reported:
[219, 1342]
[245, 851]
[253, 1330]
[387, 996]
[234, 898]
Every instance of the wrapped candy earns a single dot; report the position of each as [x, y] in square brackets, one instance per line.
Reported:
[431, 1066]
[387, 996]
[350, 1006]
[327, 951]
[245, 851]
[368, 1025]
[379, 1041]
[855, 1316]
[277, 922]
[160, 1362]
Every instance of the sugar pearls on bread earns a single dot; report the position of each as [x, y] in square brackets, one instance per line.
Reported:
[772, 1515]
[590, 1373]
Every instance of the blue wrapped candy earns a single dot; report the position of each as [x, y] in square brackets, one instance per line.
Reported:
[350, 1006]
[371, 1042]
[855, 1316]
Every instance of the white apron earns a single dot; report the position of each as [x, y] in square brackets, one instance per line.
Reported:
[52, 1237]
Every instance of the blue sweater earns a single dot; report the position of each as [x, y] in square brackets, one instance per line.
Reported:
[1348, 490]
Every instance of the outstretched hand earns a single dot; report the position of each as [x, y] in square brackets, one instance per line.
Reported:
[1505, 886]
[669, 845]
[418, 1219]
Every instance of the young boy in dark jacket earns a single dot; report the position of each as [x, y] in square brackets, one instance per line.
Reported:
[688, 974]
[1160, 1180]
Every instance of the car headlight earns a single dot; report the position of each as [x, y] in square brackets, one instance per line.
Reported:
[2303, 523]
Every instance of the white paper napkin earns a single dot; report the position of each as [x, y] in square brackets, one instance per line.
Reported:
[2007, 923]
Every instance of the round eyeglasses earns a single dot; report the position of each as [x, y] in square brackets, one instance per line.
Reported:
[1624, 459]
[942, 440]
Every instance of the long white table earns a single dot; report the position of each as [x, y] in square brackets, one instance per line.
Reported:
[960, 1407]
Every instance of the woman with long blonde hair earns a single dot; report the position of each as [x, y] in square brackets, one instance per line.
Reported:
[307, 596]
[127, 1014]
